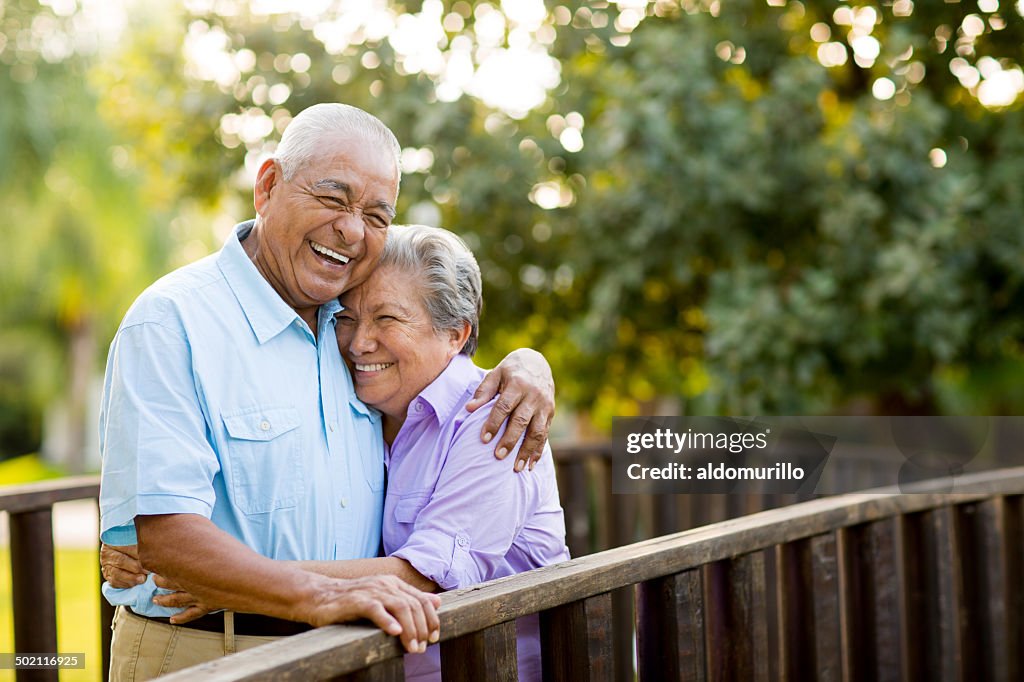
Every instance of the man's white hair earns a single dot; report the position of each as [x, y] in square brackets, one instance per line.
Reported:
[304, 136]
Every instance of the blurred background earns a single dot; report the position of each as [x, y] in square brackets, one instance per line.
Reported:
[689, 206]
[726, 207]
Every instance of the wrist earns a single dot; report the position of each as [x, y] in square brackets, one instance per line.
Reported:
[309, 596]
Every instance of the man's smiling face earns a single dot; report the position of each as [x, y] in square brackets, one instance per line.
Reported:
[321, 232]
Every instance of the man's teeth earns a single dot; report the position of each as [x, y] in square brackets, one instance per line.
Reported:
[374, 368]
[320, 248]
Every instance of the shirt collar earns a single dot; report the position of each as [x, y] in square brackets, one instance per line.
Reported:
[266, 311]
[448, 390]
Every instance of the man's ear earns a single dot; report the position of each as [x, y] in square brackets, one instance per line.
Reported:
[267, 179]
[458, 338]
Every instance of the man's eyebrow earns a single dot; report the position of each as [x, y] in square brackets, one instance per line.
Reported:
[387, 208]
[344, 188]
[335, 185]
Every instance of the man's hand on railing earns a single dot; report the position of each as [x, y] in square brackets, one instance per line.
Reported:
[392, 604]
[120, 566]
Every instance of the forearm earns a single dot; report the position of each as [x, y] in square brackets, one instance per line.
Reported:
[359, 568]
[223, 572]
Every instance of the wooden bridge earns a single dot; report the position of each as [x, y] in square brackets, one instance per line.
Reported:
[902, 586]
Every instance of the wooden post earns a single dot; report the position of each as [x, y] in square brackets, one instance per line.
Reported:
[670, 628]
[32, 585]
[796, 611]
[489, 654]
[736, 616]
[576, 640]
[995, 603]
[575, 501]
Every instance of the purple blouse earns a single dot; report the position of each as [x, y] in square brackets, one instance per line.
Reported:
[459, 515]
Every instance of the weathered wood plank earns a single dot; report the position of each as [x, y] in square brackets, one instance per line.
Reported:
[391, 670]
[32, 588]
[569, 452]
[993, 591]
[622, 525]
[572, 486]
[796, 612]
[854, 594]
[43, 495]
[883, 560]
[737, 635]
[666, 514]
[623, 636]
[670, 628]
[951, 660]
[489, 654]
[826, 621]
[1013, 517]
[922, 609]
[576, 640]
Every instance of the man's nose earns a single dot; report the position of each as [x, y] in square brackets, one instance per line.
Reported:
[350, 226]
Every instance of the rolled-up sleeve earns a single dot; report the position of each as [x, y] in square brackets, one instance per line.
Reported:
[461, 535]
[153, 435]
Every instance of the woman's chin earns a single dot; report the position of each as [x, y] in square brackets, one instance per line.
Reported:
[365, 395]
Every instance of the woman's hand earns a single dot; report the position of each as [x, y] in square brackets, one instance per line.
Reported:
[527, 400]
[120, 566]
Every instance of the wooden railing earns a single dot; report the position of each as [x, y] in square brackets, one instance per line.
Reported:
[890, 585]
[595, 520]
[33, 596]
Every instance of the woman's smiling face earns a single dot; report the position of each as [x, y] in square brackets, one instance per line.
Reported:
[388, 340]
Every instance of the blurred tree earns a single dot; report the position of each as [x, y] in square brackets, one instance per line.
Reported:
[756, 206]
[78, 243]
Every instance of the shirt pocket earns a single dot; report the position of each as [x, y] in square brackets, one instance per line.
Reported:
[408, 507]
[265, 466]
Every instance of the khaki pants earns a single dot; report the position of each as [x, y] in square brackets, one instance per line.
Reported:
[143, 649]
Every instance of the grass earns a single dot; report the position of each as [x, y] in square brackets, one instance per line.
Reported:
[78, 610]
[27, 469]
[77, 581]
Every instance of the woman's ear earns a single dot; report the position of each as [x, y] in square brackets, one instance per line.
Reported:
[458, 338]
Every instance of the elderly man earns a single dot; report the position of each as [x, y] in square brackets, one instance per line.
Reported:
[232, 439]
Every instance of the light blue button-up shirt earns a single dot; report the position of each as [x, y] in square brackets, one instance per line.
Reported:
[219, 401]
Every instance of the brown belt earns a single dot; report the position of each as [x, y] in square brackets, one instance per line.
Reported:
[245, 624]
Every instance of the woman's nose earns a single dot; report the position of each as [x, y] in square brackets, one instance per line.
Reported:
[363, 341]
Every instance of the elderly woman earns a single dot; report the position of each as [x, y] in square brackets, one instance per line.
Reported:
[452, 516]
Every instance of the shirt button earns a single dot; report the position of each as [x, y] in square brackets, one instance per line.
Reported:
[463, 542]
[331, 427]
[344, 502]
[419, 407]
[265, 425]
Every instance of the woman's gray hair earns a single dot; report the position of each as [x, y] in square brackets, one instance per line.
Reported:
[451, 287]
[304, 136]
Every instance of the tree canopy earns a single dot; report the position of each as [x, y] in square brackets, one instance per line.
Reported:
[749, 206]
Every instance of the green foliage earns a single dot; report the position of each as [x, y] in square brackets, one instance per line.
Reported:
[744, 227]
